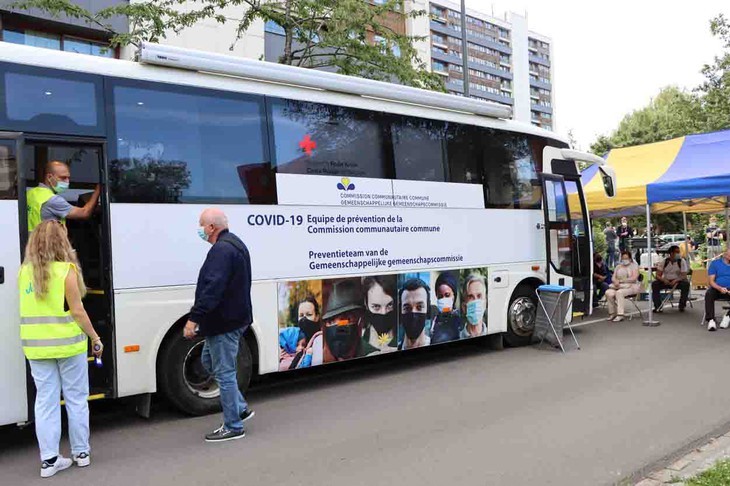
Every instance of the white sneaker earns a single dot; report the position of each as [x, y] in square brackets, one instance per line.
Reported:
[82, 460]
[711, 325]
[48, 469]
[725, 322]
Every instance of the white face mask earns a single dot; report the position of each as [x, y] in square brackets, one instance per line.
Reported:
[445, 304]
[625, 262]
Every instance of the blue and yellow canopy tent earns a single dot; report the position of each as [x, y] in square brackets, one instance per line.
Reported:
[685, 174]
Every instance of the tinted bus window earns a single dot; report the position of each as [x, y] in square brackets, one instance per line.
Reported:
[510, 171]
[181, 145]
[464, 153]
[50, 101]
[419, 149]
[318, 139]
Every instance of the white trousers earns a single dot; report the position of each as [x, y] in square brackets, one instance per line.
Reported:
[51, 377]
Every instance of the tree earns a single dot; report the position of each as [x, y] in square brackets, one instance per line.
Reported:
[352, 37]
[716, 88]
[674, 112]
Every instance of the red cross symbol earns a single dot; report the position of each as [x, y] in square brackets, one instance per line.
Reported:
[307, 144]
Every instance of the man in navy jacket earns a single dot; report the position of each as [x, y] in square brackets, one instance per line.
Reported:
[222, 313]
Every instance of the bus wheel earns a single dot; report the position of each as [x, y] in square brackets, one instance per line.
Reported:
[521, 316]
[184, 381]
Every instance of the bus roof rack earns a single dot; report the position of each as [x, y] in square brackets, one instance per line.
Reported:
[195, 60]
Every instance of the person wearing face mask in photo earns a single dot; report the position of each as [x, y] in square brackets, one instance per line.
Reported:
[475, 306]
[415, 306]
[380, 334]
[45, 201]
[448, 324]
[301, 345]
[343, 319]
[670, 273]
[624, 283]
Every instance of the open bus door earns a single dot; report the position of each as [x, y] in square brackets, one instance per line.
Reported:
[567, 243]
[13, 383]
[564, 163]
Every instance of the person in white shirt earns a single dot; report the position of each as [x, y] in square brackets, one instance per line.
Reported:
[670, 274]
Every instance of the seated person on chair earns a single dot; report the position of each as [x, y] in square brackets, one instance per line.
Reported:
[600, 278]
[672, 273]
[719, 273]
[625, 282]
[45, 201]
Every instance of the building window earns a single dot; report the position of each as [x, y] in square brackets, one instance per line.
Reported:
[274, 28]
[184, 145]
[439, 66]
[48, 40]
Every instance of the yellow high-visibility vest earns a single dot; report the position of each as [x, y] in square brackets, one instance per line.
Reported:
[36, 198]
[46, 329]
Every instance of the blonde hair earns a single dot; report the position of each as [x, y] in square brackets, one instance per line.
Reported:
[49, 243]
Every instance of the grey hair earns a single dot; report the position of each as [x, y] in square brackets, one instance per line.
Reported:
[216, 217]
[474, 277]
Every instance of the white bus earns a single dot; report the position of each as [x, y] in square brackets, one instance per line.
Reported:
[378, 217]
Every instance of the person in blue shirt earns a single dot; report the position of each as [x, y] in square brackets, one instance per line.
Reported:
[719, 273]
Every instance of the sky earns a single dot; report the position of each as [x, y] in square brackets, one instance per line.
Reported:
[612, 56]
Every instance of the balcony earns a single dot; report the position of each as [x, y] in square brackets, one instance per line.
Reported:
[490, 70]
[449, 58]
[541, 108]
[445, 29]
[539, 60]
[492, 45]
[486, 95]
[540, 84]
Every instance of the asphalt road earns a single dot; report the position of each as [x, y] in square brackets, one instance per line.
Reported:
[461, 415]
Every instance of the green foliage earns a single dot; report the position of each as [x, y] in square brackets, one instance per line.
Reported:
[717, 475]
[599, 239]
[674, 113]
[334, 34]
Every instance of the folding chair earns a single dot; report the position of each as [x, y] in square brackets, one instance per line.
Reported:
[632, 299]
[561, 300]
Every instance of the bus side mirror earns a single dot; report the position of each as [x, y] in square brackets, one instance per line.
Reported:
[608, 174]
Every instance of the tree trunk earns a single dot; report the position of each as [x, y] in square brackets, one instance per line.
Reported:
[289, 36]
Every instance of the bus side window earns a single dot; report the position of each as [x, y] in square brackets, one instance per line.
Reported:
[463, 150]
[186, 145]
[510, 171]
[419, 149]
[319, 139]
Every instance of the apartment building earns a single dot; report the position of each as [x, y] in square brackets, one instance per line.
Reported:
[506, 63]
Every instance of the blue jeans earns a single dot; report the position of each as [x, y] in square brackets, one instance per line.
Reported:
[220, 357]
[51, 376]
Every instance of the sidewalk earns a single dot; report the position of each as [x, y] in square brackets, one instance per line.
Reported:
[690, 465]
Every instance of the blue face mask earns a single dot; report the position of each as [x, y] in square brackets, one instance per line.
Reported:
[474, 311]
[201, 233]
[60, 187]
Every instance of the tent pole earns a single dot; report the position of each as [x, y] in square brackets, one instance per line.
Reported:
[727, 222]
[684, 220]
[650, 321]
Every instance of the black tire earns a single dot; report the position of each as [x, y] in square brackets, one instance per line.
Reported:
[182, 379]
[520, 330]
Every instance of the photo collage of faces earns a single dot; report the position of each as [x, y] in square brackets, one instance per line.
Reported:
[323, 321]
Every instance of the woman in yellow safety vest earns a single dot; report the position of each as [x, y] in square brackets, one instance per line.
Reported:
[55, 342]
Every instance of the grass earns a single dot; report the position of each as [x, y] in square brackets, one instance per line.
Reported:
[718, 475]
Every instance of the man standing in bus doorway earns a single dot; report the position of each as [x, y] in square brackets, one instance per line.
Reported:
[222, 313]
[343, 320]
[45, 201]
[415, 310]
[475, 305]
